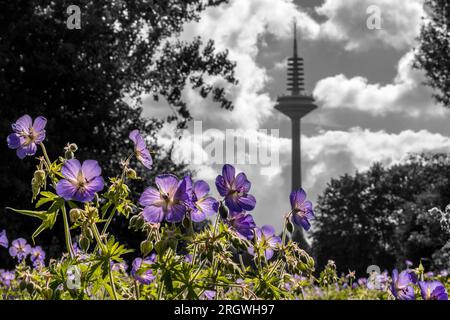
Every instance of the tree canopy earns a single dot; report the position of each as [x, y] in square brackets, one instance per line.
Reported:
[433, 51]
[89, 82]
[381, 216]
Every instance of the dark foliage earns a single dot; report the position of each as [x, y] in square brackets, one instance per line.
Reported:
[433, 52]
[79, 80]
[381, 217]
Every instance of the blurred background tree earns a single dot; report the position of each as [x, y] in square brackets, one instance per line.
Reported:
[89, 83]
[381, 216]
[434, 47]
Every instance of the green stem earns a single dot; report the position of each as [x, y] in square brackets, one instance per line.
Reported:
[108, 222]
[104, 248]
[137, 291]
[67, 232]
[64, 212]
[111, 279]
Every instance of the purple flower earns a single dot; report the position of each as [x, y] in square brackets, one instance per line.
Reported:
[267, 240]
[6, 277]
[242, 223]
[235, 190]
[121, 266]
[165, 202]
[209, 294]
[80, 182]
[302, 211]
[200, 204]
[27, 135]
[19, 249]
[433, 290]
[140, 149]
[140, 270]
[37, 256]
[401, 287]
[3, 239]
[429, 274]
[408, 263]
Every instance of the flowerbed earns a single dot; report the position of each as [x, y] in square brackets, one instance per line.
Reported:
[182, 257]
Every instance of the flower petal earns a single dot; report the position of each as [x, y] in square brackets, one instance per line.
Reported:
[65, 189]
[150, 196]
[153, 214]
[167, 183]
[198, 216]
[241, 183]
[23, 124]
[221, 186]
[145, 158]
[201, 189]
[13, 141]
[39, 124]
[95, 185]
[91, 169]
[268, 231]
[70, 169]
[175, 213]
[208, 205]
[297, 197]
[247, 202]
[228, 173]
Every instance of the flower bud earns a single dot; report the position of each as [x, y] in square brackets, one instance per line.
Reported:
[39, 176]
[85, 243]
[223, 211]
[72, 147]
[75, 215]
[69, 155]
[131, 174]
[146, 247]
[290, 227]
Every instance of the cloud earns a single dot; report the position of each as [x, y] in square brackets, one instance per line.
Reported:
[347, 22]
[334, 153]
[238, 27]
[406, 94]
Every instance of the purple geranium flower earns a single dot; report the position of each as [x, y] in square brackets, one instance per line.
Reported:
[19, 249]
[267, 240]
[27, 135]
[81, 181]
[302, 211]
[209, 294]
[200, 204]
[401, 287]
[167, 201]
[37, 256]
[243, 223]
[433, 290]
[235, 190]
[140, 149]
[141, 271]
[4, 239]
[6, 277]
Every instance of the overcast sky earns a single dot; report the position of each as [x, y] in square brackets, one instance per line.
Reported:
[372, 104]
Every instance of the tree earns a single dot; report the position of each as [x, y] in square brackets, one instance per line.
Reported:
[381, 217]
[432, 55]
[80, 79]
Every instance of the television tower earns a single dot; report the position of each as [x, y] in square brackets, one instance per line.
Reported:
[296, 105]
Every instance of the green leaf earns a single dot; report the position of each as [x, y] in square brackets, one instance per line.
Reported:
[36, 214]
